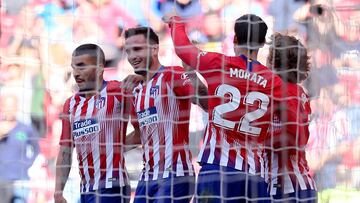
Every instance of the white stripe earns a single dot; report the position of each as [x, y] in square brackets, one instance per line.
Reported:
[188, 160]
[94, 144]
[138, 99]
[109, 145]
[168, 132]
[310, 179]
[212, 145]
[274, 174]
[266, 164]
[179, 166]
[147, 94]
[156, 141]
[156, 149]
[298, 175]
[147, 158]
[262, 162]
[83, 147]
[204, 145]
[239, 159]
[225, 148]
[251, 160]
[288, 186]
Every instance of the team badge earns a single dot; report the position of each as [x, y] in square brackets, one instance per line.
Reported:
[154, 91]
[100, 102]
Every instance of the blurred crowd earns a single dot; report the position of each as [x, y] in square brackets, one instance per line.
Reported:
[38, 36]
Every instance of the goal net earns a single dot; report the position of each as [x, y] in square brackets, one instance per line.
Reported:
[36, 77]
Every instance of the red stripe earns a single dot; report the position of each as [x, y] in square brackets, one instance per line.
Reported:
[151, 140]
[88, 149]
[103, 139]
[232, 156]
[118, 140]
[245, 156]
[162, 131]
[78, 148]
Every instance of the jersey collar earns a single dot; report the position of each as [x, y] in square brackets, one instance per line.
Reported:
[249, 62]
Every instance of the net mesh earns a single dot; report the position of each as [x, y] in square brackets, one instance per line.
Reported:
[38, 37]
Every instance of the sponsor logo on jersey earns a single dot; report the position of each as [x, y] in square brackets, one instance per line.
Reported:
[85, 127]
[147, 116]
[154, 91]
[100, 102]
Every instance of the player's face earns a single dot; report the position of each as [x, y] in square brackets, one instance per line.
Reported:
[86, 72]
[140, 53]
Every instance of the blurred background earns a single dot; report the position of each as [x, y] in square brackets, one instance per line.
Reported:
[38, 37]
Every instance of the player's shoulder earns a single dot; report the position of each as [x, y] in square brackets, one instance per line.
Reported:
[113, 86]
[169, 71]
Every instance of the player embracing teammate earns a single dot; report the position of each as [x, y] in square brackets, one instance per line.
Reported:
[253, 148]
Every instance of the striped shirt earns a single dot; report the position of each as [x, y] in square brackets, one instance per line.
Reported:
[288, 167]
[96, 127]
[241, 93]
[162, 111]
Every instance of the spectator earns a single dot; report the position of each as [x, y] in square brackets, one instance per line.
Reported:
[18, 150]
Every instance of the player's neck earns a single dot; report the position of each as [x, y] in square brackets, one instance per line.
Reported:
[249, 54]
[153, 69]
[97, 89]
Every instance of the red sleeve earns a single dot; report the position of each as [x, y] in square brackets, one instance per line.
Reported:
[189, 53]
[66, 136]
[133, 115]
[180, 82]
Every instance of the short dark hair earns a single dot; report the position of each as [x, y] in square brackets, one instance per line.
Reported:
[147, 32]
[92, 50]
[250, 30]
[289, 57]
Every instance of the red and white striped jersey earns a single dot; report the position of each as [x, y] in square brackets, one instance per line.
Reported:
[241, 93]
[288, 137]
[162, 111]
[96, 127]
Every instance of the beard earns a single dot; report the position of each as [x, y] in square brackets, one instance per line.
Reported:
[144, 71]
[88, 87]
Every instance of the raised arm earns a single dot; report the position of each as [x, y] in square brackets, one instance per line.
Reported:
[188, 52]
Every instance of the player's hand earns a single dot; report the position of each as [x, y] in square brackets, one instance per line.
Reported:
[59, 198]
[167, 17]
[131, 81]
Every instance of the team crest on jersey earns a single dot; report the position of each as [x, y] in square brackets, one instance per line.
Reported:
[154, 91]
[100, 102]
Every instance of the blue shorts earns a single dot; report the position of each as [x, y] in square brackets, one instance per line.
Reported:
[167, 190]
[303, 196]
[108, 195]
[224, 184]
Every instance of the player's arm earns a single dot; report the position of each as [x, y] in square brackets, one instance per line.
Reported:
[188, 52]
[63, 166]
[133, 140]
[200, 89]
[64, 158]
